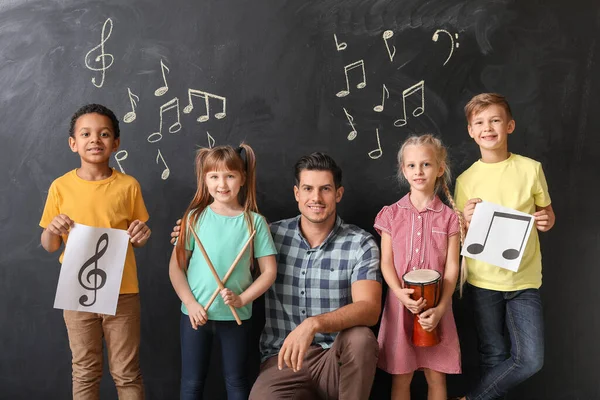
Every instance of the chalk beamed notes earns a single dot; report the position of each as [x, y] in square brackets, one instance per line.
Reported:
[206, 96]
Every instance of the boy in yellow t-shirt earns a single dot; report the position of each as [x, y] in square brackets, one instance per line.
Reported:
[502, 298]
[100, 196]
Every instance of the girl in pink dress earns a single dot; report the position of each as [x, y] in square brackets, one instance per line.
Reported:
[419, 232]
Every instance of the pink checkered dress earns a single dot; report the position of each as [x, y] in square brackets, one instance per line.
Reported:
[419, 241]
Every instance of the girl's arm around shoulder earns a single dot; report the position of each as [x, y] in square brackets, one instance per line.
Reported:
[268, 273]
[544, 218]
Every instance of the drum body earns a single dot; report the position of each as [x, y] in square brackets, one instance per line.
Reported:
[426, 283]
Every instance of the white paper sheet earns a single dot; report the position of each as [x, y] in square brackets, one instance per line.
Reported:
[92, 268]
[498, 235]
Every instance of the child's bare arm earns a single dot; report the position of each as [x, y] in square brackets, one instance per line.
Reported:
[391, 277]
[430, 318]
[139, 233]
[268, 273]
[51, 238]
[179, 281]
[544, 218]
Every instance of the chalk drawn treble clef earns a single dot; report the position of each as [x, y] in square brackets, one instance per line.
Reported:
[102, 57]
[95, 278]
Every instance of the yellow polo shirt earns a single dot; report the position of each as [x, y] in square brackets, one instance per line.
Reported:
[518, 183]
[113, 202]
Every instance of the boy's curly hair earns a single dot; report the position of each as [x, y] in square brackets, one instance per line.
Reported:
[95, 109]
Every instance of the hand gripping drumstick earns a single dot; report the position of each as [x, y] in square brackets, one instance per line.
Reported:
[230, 271]
[214, 272]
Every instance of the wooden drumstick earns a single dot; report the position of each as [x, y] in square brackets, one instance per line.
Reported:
[214, 272]
[230, 271]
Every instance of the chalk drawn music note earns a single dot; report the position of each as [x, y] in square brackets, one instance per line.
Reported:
[386, 36]
[362, 84]
[174, 128]
[508, 254]
[211, 140]
[120, 156]
[206, 96]
[131, 115]
[386, 93]
[102, 57]
[94, 273]
[452, 44]
[378, 152]
[420, 86]
[166, 172]
[339, 45]
[353, 133]
[163, 89]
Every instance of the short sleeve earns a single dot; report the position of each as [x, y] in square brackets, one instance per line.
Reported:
[263, 241]
[460, 196]
[139, 207]
[367, 261]
[453, 225]
[383, 221]
[541, 195]
[51, 208]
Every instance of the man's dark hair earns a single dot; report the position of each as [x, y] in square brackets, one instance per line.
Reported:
[95, 109]
[318, 162]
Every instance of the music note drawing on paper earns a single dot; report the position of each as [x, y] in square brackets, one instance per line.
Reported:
[498, 235]
[92, 268]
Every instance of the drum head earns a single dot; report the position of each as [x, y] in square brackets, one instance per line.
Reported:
[421, 276]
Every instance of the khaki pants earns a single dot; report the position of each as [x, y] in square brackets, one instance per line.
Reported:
[122, 335]
[345, 371]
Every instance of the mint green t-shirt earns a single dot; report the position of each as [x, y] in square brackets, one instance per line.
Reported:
[223, 237]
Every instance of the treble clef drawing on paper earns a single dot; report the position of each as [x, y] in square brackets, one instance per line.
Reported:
[102, 57]
[95, 278]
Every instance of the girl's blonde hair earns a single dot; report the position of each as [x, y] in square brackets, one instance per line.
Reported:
[221, 158]
[441, 184]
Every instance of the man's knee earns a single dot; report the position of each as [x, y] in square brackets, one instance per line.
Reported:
[361, 342]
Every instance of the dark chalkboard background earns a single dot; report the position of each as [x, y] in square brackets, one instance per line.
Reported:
[276, 63]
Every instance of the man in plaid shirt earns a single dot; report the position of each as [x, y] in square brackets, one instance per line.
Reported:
[316, 342]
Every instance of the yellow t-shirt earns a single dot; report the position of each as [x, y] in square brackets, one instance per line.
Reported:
[113, 202]
[518, 183]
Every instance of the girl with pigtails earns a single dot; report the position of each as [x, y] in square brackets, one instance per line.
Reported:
[221, 221]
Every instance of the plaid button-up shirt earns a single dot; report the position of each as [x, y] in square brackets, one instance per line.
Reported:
[314, 281]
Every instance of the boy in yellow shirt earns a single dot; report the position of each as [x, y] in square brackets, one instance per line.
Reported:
[100, 196]
[502, 298]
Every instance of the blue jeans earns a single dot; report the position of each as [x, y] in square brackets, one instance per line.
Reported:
[196, 347]
[503, 368]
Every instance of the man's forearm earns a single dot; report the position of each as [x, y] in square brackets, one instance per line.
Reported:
[361, 313]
